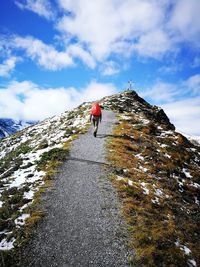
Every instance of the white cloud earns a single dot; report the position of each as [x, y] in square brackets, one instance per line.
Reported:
[185, 114]
[170, 69]
[161, 92]
[8, 65]
[27, 101]
[78, 51]
[193, 83]
[148, 27]
[97, 31]
[95, 91]
[107, 25]
[182, 110]
[153, 44]
[41, 7]
[185, 21]
[196, 62]
[45, 55]
[5, 47]
[109, 68]
[50, 58]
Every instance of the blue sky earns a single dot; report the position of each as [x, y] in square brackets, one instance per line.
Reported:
[56, 54]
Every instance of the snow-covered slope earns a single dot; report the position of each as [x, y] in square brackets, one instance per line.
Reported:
[10, 126]
[24, 158]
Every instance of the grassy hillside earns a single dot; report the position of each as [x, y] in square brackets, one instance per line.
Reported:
[157, 175]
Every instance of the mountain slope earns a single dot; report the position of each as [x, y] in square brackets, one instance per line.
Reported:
[28, 159]
[155, 169]
[10, 126]
[157, 174]
[82, 225]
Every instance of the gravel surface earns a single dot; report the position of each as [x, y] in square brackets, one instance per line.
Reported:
[82, 226]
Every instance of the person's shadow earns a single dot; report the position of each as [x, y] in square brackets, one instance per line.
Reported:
[113, 136]
[104, 135]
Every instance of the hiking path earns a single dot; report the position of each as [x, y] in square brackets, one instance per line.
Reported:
[82, 225]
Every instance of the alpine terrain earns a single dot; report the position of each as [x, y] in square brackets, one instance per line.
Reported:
[129, 197]
[10, 126]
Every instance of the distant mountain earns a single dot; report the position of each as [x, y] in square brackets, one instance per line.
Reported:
[9, 126]
[195, 139]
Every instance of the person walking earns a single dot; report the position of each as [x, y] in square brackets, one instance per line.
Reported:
[95, 116]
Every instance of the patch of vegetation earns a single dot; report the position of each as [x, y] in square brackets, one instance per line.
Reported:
[12, 160]
[43, 144]
[165, 217]
[71, 130]
[28, 165]
[55, 154]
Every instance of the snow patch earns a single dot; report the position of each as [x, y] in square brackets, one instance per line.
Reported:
[158, 193]
[194, 185]
[163, 145]
[25, 206]
[21, 219]
[120, 178]
[29, 194]
[125, 117]
[145, 189]
[186, 250]
[167, 155]
[177, 243]
[130, 182]
[187, 174]
[143, 169]
[166, 133]
[139, 156]
[145, 121]
[155, 200]
[192, 263]
[7, 245]
[196, 200]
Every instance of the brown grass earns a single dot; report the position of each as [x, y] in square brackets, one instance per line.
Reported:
[155, 227]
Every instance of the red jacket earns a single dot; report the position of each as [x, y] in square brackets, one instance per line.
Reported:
[96, 111]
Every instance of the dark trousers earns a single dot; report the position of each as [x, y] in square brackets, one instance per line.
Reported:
[95, 121]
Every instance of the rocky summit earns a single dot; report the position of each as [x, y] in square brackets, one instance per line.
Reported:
[155, 170]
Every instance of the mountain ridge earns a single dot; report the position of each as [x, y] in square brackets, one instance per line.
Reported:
[150, 161]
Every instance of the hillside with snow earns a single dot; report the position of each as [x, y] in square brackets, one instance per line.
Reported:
[155, 171]
[24, 158]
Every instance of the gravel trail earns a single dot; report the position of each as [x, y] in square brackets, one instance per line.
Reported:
[82, 226]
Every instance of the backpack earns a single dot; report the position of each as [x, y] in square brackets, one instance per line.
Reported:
[96, 110]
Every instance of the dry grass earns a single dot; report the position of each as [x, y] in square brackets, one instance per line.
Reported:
[157, 219]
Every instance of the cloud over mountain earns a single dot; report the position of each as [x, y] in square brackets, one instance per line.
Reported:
[27, 101]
